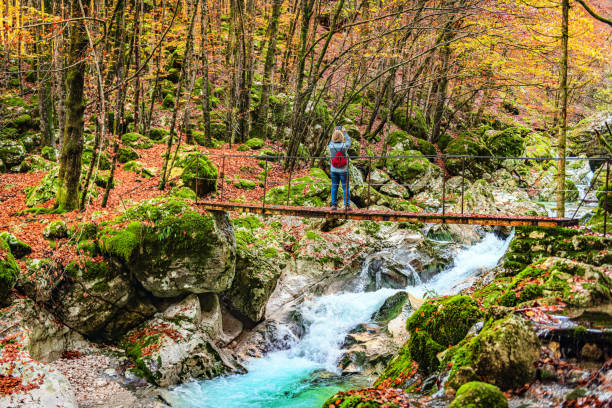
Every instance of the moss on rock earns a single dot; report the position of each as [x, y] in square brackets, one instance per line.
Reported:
[136, 140]
[18, 248]
[200, 174]
[313, 190]
[9, 270]
[478, 394]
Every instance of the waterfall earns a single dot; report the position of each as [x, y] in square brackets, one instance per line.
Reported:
[289, 378]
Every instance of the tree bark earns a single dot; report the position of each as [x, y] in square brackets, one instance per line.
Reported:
[262, 111]
[72, 147]
[561, 145]
[205, 75]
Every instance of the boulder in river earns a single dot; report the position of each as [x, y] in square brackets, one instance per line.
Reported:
[504, 353]
[478, 394]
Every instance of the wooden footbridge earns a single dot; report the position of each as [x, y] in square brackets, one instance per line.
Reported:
[443, 217]
[396, 216]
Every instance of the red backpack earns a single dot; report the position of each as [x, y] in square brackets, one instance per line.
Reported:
[339, 160]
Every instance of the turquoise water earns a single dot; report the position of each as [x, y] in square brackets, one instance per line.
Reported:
[306, 374]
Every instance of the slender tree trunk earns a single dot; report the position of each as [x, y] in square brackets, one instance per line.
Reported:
[262, 111]
[72, 148]
[45, 102]
[205, 75]
[178, 97]
[563, 112]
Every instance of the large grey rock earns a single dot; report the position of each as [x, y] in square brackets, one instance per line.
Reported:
[173, 347]
[255, 280]
[99, 301]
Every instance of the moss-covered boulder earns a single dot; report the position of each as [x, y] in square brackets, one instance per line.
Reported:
[139, 168]
[18, 248]
[44, 191]
[174, 347]
[312, 190]
[56, 230]
[509, 142]
[9, 270]
[468, 145]
[413, 123]
[257, 273]
[172, 248]
[126, 154]
[49, 153]
[411, 170]
[168, 101]
[437, 325]
[136, 140]
[504, 353]
[12, 153]
[102, 160]
[477, 394]
[401, 140]
[254, 143]
[98, 300]
[200, 174]
[158, 134]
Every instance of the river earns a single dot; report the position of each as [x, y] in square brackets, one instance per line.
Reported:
[301, 376]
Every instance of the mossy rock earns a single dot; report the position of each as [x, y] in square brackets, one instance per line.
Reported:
[409, 142]
[254, 143]
[245, 184]
[391, 308]
[447, 320]
[313, 190]
[168, 237]
[465, 145]
[44, 191]
[509, 142]
[478, 394]
[21, 122]
[136, 140]
[173, 75]
[18, 248]
[9, 270]
[104, 159]
[200, 174]
[184, 193]
[9, 133]
[409, 169]
[126, 154]
[158, 134]
[415, 125]
[49, 153]
[56, 230]
[12, 153]
[504, 352]
[168, 102]
[34, 163]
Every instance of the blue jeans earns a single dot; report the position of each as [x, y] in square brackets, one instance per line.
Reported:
[336, 179]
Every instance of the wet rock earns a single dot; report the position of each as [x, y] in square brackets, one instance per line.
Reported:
[392, 307]
[255, 280]
[504, 353]
[479, 395]
[173, 347]
[385, 272]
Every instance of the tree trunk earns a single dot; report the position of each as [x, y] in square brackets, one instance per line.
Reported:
[72, 148]
[563, 113]
[262, 111]
[205, 76]
[45, 101]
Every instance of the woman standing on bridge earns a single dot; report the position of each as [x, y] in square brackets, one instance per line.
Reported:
[338, 147]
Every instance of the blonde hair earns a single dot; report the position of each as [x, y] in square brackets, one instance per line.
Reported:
[338, 137]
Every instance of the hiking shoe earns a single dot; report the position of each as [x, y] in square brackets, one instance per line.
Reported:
[334, 207]
[348, 208]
